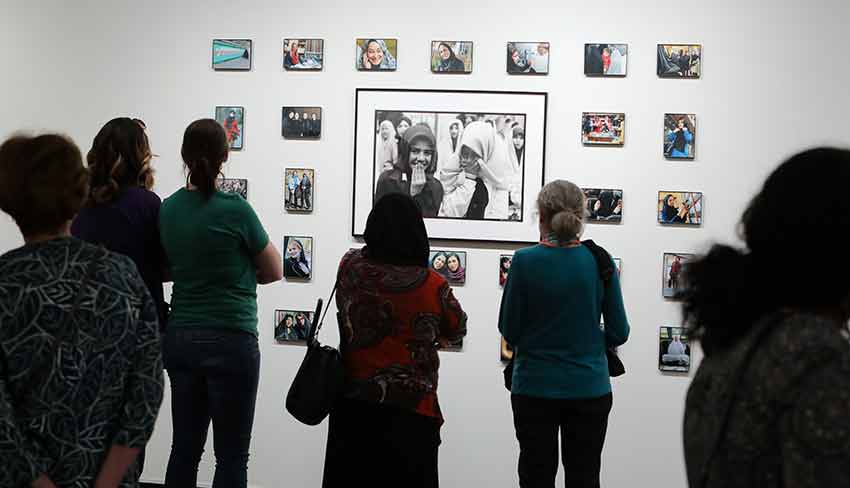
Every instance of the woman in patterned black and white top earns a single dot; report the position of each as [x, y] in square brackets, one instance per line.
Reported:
[80, 363]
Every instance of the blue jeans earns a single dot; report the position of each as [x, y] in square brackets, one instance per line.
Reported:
[214, 375]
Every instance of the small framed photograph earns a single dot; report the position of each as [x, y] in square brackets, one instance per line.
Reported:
[671, 274]
[680, 132]
[233, 121]
[679, 208]
[603, 129]
[679, 60]
[451, 265]
[528, 58]
[300, 188]
[606, 59]
[377, 54]
[674, 350]
[303, 54]
[506, 352]
[231, 54]
[292, 326]
[298, 260]
[302, 123]
[238, 186]
[604, 205]
[451, 57]
[504, 267]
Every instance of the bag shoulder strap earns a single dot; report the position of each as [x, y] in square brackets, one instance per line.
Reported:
[602, 258]
[314, 336]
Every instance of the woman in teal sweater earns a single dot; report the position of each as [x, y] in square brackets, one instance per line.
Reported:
[550, 315]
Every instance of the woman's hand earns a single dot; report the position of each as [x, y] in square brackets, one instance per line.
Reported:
[417, 181]
[43, 482]
[366, 63]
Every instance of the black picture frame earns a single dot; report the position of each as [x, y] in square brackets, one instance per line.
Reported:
[545, 105]
[297, 70]
[250, 54]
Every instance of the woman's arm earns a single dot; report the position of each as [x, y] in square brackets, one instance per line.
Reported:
[453, 322]
[118, 460]
[269, 265]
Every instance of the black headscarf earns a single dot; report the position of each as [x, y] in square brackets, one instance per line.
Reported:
[395, 232]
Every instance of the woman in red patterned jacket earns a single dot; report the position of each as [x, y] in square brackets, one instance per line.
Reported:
[395, 314]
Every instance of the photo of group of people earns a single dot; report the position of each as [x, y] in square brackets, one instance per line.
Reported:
[451, 57]
[671, 275]
[505, 261]
[674, 350]
[679, 60]
[605, 59]
[231, 54]
[683, 208]
[528, 58]
[303, 54]
[302, 122]
[455, 165]
[233, 185]
[679, 135]
[300, 188]
[292, 326]
[603, 129]
[603, 204]
[233, 121]
[377, 54]
[298, 260]
[451, 265]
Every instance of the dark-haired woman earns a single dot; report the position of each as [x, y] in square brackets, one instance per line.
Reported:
[768, 405]
[673, 212]
[414, 173]
[218, 252]
[448, 61]
[395, 313]
[551, 308]
[81, 376]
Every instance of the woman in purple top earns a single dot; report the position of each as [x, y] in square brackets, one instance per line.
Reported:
[122, 213]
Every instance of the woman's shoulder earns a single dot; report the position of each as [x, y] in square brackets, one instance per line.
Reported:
[806, 337]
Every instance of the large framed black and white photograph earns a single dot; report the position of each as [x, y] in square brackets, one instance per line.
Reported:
[472, 160]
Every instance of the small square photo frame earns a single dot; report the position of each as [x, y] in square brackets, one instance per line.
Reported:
[376, 54]
[671, 274]
[682, 208]
[606, 60]
[680, 132]
[232, 54]
[293, 326]
[451, 265]
[301, 123]
[299, 189]
[238, 186]
[233, 121]
[298, 258]
[603, 205]
[674, 350]
[451, 57]
[682, 61]
[603, 129]
[527, 58]
[303, 54]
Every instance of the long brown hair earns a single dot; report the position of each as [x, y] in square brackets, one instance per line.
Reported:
[119, 158]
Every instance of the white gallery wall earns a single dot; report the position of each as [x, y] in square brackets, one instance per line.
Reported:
[774, 81]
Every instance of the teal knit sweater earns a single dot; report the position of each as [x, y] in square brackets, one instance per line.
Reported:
[550, 315]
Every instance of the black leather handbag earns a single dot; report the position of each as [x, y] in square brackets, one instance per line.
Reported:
[319, 380]
[606, 270]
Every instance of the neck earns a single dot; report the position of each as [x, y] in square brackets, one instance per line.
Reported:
[64, 231]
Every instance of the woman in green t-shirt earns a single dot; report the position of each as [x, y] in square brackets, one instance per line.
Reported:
[218, 252]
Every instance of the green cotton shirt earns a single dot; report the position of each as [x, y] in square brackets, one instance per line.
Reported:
[550, 315]
[210, 246]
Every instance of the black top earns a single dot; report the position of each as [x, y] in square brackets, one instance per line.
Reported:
[788, 423]
[60, 414]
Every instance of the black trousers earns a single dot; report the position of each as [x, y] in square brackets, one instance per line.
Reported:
[214, 376]
[377, 446]
[582, 424]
